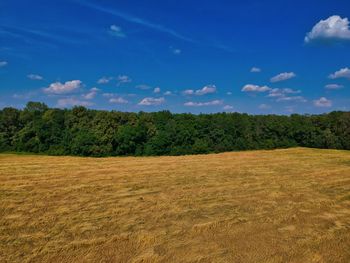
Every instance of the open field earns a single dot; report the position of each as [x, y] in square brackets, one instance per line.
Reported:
[262, 206]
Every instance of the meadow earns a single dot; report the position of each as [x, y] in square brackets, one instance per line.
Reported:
[289, 205]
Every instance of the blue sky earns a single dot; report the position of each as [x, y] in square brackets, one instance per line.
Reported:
[257, 57]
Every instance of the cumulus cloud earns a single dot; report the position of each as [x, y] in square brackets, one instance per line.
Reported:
[333, 28]
[123, 79]
[91, 94]
[34, 77]
[334, 86]
[3, 63]
[255, 70]
[63, 88]
[323, 102]
[200, 104]
[203, 91]
[283, 76]
[229, 93]
[156, 90]
[255, 88]
[168, 93]
[69, 102]
[342, 73]
[149, 101]
[206, 90]
[116, 31]
[188, 92]
[118, 100]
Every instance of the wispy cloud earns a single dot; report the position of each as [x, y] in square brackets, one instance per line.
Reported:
[283, 76]
[34, 77]
[116, 31]
[118, 100]
[201, 104]
[203, 91]
[151, 25]
[123, 79]
[135, 20]
[334, 86]
[25, 33]
[69, 102]
[3, 63]
[149, 101]
[255, 70]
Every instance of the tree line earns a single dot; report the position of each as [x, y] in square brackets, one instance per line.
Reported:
[84, 132]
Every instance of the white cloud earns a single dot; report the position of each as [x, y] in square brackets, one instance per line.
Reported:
[255, 70]
[292, 98]
[63, 88]
[333, 28]
[177, 51]
[109, 95]
[200, 104]
[323, 102]
[188, 92]
[228, 108]
[168, 93]
[104, 80]
[122, 79]
[334, 86]
[156, 90]
[229, 93]
[143, 87]
[91, 94]
[282, 92]
[34, 77]
[255, 88]
[149, 101]
[118, 100]
[3, 63]
[283, 76]
[208, 89]
[264, 107]
[68, 102]
[342, 73]
[116, 31]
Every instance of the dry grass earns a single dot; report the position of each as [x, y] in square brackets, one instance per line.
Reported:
[262, 206]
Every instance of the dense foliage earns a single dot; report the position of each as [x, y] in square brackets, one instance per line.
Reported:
[80, 131]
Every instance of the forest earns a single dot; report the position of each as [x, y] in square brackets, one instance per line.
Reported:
[84, 132]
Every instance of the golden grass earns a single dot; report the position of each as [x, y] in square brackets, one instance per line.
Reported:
[261, 206]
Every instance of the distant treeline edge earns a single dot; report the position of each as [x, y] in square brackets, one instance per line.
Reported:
[84, 132]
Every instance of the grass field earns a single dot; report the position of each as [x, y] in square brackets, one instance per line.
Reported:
[262, 206]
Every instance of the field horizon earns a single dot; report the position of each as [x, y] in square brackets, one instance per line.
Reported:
[283, 205]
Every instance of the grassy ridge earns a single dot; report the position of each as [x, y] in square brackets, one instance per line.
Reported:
[288, 205]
